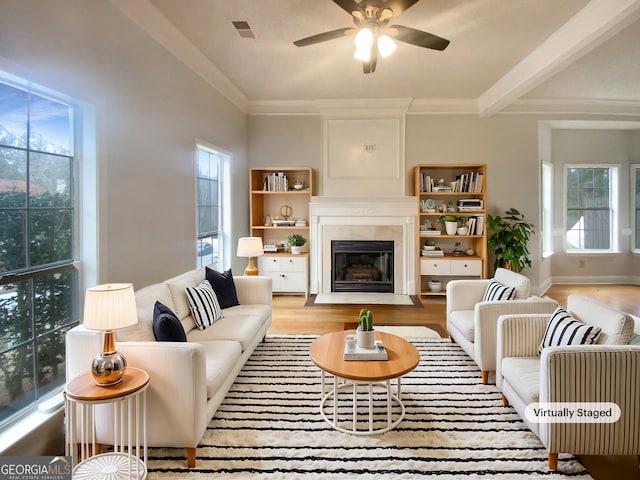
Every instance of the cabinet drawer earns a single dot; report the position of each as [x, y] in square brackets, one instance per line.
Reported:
[281, 264]
[466, 267]
[434, 267]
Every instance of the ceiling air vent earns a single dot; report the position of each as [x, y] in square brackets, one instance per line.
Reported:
[243, 28]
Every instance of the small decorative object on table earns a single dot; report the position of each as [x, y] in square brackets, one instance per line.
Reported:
[365, 334]
[296, 241]
[298, 183]
[458, 251]
[435, 286]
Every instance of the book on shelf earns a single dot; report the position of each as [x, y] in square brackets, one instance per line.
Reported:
[432, 253]
[430, 232]
[275, 182]
[376, 353]
[479, 224]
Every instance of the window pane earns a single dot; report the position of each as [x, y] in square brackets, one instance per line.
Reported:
[50, 126]
[14, 108]
[50, 184]
[15, 314]
[204, 220]
[50, 365]
[203, 164]
[53, 301]
[50, 236]
[12, 240]
[13, 178]
[204, 193]
[589, 213]
[16, 378]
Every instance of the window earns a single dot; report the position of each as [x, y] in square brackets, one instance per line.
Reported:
[38, 279]
[591, 208]
[547, 209]
[635, 194]
[210, 238]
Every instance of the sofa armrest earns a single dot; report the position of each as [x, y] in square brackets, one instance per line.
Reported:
[177, 393]
[518, 336]
[255, 290]
[592, 373]
[464, 294]
[486, 324]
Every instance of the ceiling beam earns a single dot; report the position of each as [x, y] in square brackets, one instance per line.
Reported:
[597, 22]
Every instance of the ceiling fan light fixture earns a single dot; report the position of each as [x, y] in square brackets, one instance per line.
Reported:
[364, 38]
[386, 45]
[363, 54]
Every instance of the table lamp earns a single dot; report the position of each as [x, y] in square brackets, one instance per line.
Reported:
[107, 307]
[250, 247]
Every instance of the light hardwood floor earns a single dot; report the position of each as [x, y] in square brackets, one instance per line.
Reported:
[291, 316]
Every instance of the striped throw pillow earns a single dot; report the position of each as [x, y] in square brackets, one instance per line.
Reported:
[496, 291]
[563, 329]
[203, 304]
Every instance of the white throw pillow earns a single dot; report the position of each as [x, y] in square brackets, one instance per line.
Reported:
[496, 291]
[203, 304]
[563, 329]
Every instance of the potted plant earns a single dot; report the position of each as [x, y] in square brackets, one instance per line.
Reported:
[296, 241]
[365, 334]
[509, 240]
[450, 223]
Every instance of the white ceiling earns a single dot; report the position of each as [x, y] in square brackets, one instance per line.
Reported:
[501, 52]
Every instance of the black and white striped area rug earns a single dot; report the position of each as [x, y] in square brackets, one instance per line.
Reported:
[269, 426]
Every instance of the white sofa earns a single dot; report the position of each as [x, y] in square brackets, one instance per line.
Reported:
[188, 380]
[608, 371]
[473, 324]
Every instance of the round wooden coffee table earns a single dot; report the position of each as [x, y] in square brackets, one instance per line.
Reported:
[327, 352]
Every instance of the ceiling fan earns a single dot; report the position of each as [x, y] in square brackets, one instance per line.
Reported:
[373, 33]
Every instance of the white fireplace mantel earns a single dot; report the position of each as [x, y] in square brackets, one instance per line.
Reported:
[363, 218]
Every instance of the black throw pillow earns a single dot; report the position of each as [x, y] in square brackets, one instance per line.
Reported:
[224, 287]
[166, 326]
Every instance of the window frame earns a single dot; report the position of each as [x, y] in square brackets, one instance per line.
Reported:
[635, 207]
[223, 251]
[546, 208]
[614, 209]
[28, 274]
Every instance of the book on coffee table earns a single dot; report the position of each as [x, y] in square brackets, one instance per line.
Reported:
[377, 353]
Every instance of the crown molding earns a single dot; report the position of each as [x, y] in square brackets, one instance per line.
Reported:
[571, 106]
[150, 20]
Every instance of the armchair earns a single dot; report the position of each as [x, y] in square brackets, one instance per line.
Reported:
[472, 323]
[608, 371]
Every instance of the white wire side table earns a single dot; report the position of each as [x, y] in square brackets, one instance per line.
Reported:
[119, 411]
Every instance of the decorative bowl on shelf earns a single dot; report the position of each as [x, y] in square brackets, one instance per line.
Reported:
[435, 286]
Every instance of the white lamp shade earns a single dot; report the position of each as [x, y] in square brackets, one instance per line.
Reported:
[250, 247]
[364, 38]
[110, 306]
[362, 54]
[386, 45]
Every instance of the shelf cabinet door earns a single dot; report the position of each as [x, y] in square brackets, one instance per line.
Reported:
[466, 267]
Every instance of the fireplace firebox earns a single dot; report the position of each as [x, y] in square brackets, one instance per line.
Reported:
[362, 266]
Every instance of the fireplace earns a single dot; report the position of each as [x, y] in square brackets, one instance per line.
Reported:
[379, 219]
[362, 266]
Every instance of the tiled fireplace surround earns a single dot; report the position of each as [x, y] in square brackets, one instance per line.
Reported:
[363, 218]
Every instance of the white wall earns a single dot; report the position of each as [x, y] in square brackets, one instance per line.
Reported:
[150, 109]
[593, 147]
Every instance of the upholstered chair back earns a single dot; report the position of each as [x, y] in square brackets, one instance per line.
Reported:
[513, 279]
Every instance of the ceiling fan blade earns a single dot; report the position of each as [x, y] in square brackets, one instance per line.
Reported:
[419, 38]
[323, 37]
[399, 6]
[348, 6]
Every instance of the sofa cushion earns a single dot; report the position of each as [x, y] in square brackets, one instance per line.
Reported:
[220, 359]
[224, 287]
[523, 374]
[145, 300]
[514, 279]
[166, 326]
[563, 330]
[616, 327]
[204, 305]
[496, 291]
[177, 285]
[242, 330]
[463, 320]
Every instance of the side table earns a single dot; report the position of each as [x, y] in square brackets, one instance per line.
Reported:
[85, 405]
